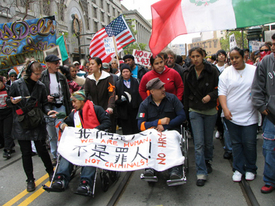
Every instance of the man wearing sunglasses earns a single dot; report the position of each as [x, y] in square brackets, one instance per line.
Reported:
[263, 98]
[58, 97]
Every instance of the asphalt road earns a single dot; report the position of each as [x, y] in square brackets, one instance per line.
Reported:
[218, 190]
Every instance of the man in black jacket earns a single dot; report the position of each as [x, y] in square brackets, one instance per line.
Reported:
[98, 119]
[137, 70]
[58, 96]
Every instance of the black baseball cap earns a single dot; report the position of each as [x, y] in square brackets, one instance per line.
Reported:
[52, 58]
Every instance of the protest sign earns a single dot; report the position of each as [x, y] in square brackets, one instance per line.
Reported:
[211, 46]
[142, 57]
[110, 151]
[25, 39]
[109, 45]
[232, 41]
[255, 45]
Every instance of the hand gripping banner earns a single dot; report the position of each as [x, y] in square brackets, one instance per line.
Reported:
[148, 149]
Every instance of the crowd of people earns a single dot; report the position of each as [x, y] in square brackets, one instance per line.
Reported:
[231, 91]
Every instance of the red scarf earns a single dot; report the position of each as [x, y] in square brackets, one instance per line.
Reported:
[89, 120]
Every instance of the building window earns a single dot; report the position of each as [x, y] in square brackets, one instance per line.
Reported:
[94, 1]
[95, 12]
[108, 8]
[95, 26]
[61, 10]
[102, 4]
[102, 16]
[114, 11]
[23, 3]
[46, 7]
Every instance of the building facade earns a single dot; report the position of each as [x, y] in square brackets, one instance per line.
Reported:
[74, 18]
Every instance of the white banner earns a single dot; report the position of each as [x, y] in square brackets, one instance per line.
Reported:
[110, 151]
[142, 57]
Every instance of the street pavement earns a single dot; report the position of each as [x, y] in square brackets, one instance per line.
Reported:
[218, 190]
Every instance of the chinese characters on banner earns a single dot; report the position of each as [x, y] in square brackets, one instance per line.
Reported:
[91, 147]
[25, 39]
[142, 57]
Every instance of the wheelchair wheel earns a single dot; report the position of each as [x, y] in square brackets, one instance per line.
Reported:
[105, 182]
[113, 175]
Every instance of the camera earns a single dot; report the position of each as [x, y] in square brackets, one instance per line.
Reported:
[55, 95]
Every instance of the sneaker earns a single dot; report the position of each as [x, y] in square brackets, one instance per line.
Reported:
[200, 182]
[249, 176]
[217, 135]
[30, 185]
[237, 176]
[175, 173]
[7, 154]
[59, 183]
[84, 188]
[208, 166]
[149, 172]
[267, 189]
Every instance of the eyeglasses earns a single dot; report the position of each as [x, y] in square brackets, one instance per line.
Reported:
[266, 50]
[12, 76]
[56, 63]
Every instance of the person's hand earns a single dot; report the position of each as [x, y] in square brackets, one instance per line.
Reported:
[15, 101]
[160, 128]
[265, 112]
[165, 120]
[62, 127]
[227, 114]
[50, 98]
[109, 110]
[52, 113]
[116, 97]
[206, 99]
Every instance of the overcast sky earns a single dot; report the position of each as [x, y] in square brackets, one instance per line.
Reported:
[144, 8]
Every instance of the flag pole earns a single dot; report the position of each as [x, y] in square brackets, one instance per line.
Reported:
[114, 40]
[66, 48]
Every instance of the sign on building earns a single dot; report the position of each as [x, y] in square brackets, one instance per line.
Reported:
[25, 39]
[211, 46]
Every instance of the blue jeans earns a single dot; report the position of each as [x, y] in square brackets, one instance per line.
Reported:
[244, 146]
[52, 131]
[226, 137]
[65, 168]
[269, 152]
[203, 129]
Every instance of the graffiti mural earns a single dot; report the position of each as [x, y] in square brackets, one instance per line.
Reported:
[25, 39]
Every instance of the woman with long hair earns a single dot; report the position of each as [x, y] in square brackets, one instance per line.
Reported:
[241, 117]
[171, 78]
[100, 88]
[25, 95]
[200, 101]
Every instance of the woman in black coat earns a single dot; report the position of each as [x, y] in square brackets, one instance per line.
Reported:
[127, 100]
[24, 95]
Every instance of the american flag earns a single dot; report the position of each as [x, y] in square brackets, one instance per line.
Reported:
[117, 28]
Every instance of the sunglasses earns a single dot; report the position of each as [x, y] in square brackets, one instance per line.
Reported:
[266, 50]
[12, 76]
[56, 63]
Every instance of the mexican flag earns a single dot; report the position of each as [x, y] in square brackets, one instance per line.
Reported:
[171, 18]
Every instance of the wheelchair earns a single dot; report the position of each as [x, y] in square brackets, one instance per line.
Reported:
[107, 178]
[185, 166]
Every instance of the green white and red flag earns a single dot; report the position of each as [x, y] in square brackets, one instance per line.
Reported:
[171, 18]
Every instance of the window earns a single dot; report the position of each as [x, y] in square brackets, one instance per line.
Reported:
[95, 12]
[46, 7]
[61, 10]
[95, 26]
[102, 16]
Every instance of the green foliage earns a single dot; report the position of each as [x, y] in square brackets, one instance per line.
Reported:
[238, 36]
[139, 46]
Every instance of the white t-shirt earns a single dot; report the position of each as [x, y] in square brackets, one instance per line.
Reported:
[220, 68]
[236, 86]
[54, 85]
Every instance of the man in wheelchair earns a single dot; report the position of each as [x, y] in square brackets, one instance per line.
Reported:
[162, 111]
[89, 116]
